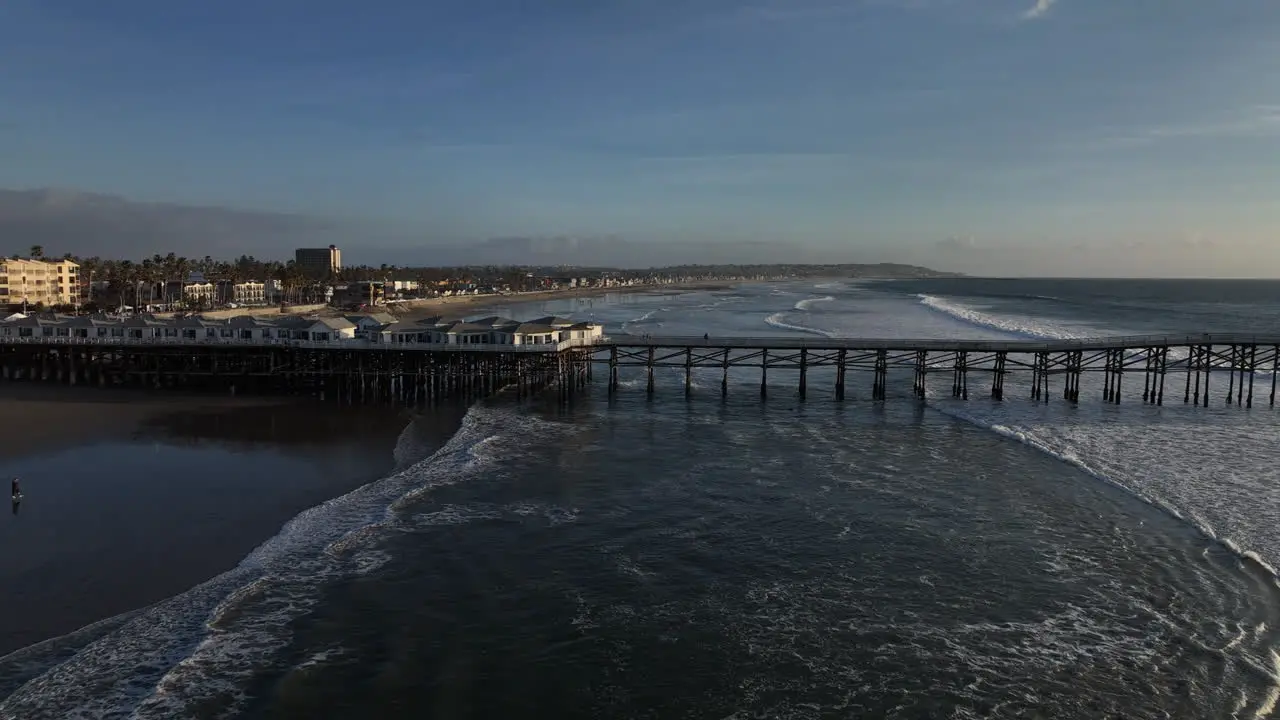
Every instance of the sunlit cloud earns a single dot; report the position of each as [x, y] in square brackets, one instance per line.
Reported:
[1039, 10]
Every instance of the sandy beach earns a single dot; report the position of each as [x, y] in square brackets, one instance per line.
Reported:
[130, 498]
[468, 305]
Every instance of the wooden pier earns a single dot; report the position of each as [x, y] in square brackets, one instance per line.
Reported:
[1243, 368]
[350, 372]
[1243, 362]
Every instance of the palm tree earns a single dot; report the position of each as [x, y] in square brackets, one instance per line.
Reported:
[37, 252]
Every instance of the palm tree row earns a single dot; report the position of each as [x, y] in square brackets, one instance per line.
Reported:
[157, 279]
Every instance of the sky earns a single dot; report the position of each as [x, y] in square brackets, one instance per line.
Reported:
[1046, 137]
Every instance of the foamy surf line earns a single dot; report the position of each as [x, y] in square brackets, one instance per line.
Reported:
[1026, 437]
[1040, 331]
[203, 646]
[804, 305]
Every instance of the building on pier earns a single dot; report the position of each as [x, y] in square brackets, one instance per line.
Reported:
[491, 330]
[496, 332]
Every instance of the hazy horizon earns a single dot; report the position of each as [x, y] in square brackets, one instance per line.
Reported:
[1011, 138]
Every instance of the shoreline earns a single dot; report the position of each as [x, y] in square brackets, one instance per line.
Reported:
[464, 303]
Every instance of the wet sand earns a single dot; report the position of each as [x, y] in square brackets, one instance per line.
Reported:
[130, 498]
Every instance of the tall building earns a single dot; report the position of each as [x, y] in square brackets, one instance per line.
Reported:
[44, 282]
[318, 261]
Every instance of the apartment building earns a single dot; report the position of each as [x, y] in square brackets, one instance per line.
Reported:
[43, 282]
[249, 292]
[318, 262]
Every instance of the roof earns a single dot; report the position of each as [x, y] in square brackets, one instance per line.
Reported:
[380, 318]
[553, 321]
[495, 321]
[469, 327]
[535, 328]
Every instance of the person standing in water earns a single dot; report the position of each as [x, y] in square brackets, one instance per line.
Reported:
[16, 490]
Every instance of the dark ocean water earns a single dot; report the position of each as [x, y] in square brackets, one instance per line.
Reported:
[630, 558]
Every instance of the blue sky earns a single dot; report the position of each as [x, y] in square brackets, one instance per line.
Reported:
[955, 125]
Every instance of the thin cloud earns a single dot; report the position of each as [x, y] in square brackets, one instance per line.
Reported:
[1258, 121]
[1039, 10]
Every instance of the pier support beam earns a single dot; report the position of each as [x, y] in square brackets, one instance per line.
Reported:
[997, 376]
[724, 378]
[1253, 370]
[1275, 371]
[840, 369]
[804, 370]
[764, 373]
[881, 381]
[688, 371]
[613, 370]
[649, 368]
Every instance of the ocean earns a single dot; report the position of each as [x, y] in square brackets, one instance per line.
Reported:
[630, 557]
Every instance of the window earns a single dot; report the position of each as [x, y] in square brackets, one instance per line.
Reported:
[102, 332]
[47, 332]
[189, 333]
[63, 332]
[211, 333]
[117, 332]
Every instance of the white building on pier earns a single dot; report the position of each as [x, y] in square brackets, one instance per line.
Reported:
[485, 333]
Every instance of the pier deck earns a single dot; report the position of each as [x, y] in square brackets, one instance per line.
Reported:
[1196, 358]
[414, 373]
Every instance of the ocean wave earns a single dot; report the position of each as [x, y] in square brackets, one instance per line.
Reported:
[1033, 329]
[804, 305]
[203, 647]
[1020, 327]
[782, 322]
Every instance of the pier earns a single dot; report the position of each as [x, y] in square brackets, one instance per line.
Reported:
[1249, 363]
[350, 371]
[1243, 369]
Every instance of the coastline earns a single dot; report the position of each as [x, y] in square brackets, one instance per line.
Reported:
[465, 304]
[134, 497]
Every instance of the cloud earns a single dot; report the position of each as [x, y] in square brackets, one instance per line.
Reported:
[1039, 10]
[958, 242]
[1257, 121]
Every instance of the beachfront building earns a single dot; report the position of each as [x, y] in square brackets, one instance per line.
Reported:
[38, 282]
[249, 292]
[496, 332]
[198, 293]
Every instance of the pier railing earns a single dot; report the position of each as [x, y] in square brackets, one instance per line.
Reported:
[1117, 342]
